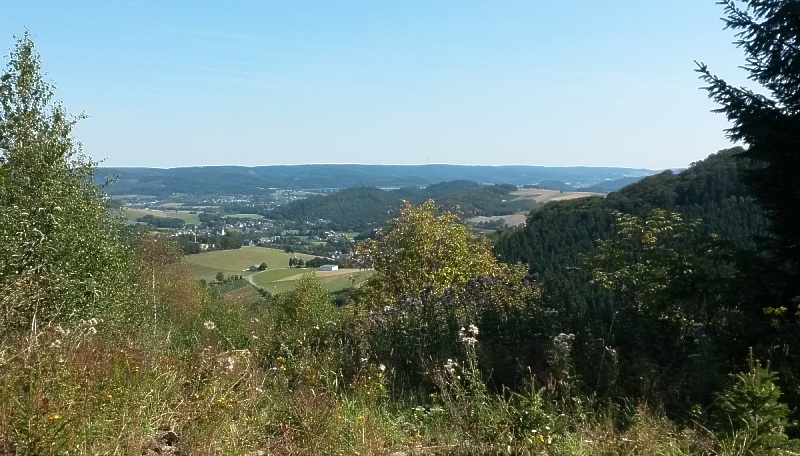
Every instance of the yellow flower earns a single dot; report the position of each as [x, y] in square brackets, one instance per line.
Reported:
[54, 417]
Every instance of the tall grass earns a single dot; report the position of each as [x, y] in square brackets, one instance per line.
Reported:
[294, 375]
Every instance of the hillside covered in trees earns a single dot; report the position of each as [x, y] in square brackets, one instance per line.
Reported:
[555, 236]
[364, 207]
[664, 272]
[660, 319]
[228, 180]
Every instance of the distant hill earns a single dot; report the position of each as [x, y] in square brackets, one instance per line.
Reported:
[711, 189]
[232, 180]
[357, 208]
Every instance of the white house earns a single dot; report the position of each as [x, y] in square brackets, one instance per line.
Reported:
[329, 267]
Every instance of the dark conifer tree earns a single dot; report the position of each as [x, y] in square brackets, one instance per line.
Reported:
[767, 31]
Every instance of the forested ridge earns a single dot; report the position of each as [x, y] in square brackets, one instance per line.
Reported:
[660, 319]
[693, 278]
[712, 189]
[364, 207]
[210, 180]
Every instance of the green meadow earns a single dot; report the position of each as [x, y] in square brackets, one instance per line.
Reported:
[206, 265]
[131, 214]
[281, 280]
[245, 216]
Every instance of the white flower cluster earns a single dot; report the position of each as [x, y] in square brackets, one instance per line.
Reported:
[210, 325]
[451, 367]
[469, 336]
[563, 342]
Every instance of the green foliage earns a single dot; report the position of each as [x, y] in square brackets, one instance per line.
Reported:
[768, 32]
[161, 222]
[421, 249]
[60, 256]
[362, 207]
[642, 260]
[556, 235]
[155, 261]
[678, 304]
[412, 333]
[309, 304]
[750, 417]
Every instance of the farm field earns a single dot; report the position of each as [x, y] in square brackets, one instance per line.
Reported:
[276, 275]
[206, 265]
[541, 195]
[131, 214]
[538, 195]
[245, 216]
[278, 278]
[332, 280]
[511, 219]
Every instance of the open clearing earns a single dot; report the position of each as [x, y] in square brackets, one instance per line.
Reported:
[277, 279]
[332, 280]
[511, 219]
[541, 195]
[325, 274]
[538, 195]
[206, 265]
[245, 216]
[277, 275]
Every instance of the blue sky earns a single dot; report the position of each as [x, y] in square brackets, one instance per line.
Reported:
[182, 83]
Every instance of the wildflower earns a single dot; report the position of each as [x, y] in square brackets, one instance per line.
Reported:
[54, 417]
[469, 336]
[562, 343]
[450, 366]
[469, 341]
[210, 325]
[382, 368]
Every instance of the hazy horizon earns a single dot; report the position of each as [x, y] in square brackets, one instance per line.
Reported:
[607, 84]
[103, 165]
